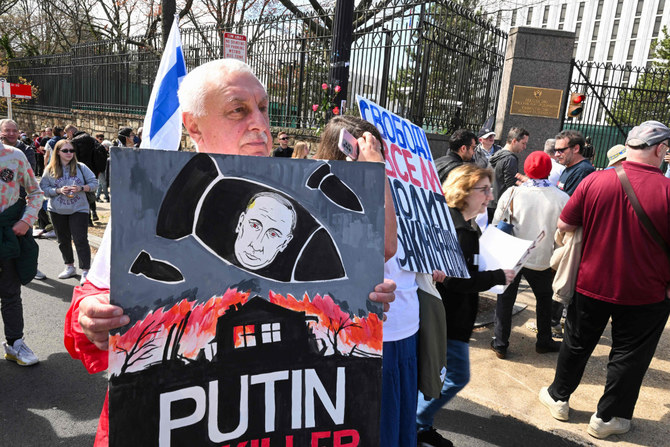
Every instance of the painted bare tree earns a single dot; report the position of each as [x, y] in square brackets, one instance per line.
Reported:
[142, 348]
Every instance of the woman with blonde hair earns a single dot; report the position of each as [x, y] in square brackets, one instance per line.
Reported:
[65, 183]
[300, 150]
[468, 192]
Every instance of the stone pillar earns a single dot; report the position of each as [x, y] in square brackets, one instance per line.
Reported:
[537, 63]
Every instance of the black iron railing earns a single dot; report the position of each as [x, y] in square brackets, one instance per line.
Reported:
[618, 97]
[435, 62]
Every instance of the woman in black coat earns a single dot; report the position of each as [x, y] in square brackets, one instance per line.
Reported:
[468, 192]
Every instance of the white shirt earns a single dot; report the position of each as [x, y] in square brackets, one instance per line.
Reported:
[402, 319]
[556, 171]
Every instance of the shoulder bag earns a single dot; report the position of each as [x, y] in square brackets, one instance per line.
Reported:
[506, 224]
[646, 222]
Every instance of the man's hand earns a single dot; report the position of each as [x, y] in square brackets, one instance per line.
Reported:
[97, 317]
[369, 148]
[521, 179]
[20, 228]
[439, 276]
[384, 293]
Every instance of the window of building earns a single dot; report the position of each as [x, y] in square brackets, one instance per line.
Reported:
[245, 336]
[599, 9]
[271, 332]
[529, 17]
[545, 17]
[631, 51]
[636, 28]
[578, 26]
[592, 51]
[561, 18]
[498, 18]
[610, 52]
[619, 7]
[640, 6]
[596, 29]
[514, 18]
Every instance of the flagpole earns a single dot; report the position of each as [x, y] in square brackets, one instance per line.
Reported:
[162, 122]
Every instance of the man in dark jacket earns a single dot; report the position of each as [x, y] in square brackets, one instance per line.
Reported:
[505, 164]
[462, 145]
[93, 155]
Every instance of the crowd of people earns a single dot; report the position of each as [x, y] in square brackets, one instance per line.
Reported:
[52, 180]
[560, 192]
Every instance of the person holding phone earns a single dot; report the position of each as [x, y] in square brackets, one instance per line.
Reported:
[65, 183]
[400, 374]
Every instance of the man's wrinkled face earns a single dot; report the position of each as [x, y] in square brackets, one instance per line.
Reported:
[263, 230]
[9, 133]
[236, 120]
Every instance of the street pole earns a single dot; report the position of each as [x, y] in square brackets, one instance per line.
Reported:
[169, 9]
[339, 58]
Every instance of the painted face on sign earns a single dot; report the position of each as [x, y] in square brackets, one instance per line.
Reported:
[264, 230]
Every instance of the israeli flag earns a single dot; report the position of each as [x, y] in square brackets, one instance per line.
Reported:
[162, 123]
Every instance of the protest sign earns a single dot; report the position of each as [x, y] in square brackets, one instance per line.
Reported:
[499, 250]
[426, 233]
[246, 282]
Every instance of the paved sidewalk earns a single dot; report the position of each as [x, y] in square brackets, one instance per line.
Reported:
[511, 386]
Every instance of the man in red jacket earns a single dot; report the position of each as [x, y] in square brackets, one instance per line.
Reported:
[623, 275]
[225, 111]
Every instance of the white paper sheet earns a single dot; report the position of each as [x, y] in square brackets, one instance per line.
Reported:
[499, 250]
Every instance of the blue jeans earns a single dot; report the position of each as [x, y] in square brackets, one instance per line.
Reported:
[458, 375]
[399, 392]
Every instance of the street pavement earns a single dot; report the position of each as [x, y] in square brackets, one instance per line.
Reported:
[57, 403]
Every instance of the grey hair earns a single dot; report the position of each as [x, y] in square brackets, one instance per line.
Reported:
[204, 80]
[7, 120]
[550, 146]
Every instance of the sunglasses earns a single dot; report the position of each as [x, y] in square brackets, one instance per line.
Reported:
[284, 138]
[67, 151]
[560, 151]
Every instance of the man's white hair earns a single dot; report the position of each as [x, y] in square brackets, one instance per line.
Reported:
[206, 80]
[8, 121]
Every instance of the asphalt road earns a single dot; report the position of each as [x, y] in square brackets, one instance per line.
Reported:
[57, 402]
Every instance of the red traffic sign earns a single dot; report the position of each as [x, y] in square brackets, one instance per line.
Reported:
[22, 91]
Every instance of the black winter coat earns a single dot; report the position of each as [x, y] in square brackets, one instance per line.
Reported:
[90, 152]
[445, 164]
[461, 296]
[505, 166]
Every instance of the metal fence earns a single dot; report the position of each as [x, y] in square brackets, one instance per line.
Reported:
[618, 97]
[436, 63]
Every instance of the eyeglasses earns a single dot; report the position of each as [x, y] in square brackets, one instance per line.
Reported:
[562, 149]
[67, 151]
[283, 138]
[484, 189]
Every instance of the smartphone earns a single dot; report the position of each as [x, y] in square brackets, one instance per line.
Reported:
[348, 144]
